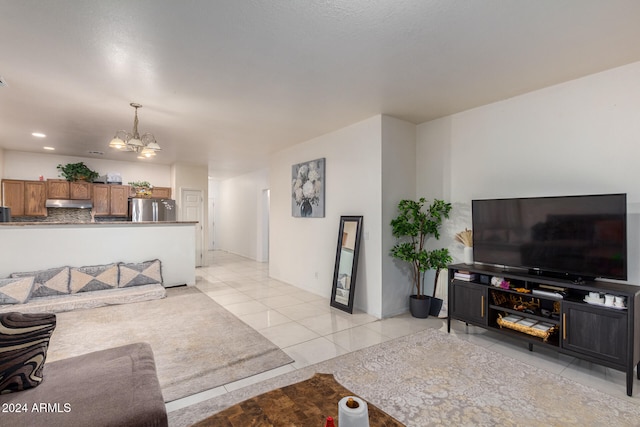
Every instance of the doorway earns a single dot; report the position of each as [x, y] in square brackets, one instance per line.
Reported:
[192, 210]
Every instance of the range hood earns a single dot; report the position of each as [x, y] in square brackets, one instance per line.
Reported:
[63, 203]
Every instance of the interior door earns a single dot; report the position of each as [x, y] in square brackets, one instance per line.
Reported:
[192, 210]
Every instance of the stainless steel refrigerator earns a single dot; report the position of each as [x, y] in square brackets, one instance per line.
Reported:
[152, 210]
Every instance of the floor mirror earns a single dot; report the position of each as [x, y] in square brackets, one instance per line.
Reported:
[344, 273]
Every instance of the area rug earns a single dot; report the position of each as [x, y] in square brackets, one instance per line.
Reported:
[432, 378]
[306, 403]
[197, 344]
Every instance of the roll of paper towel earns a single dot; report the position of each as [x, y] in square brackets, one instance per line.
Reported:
[350, 415]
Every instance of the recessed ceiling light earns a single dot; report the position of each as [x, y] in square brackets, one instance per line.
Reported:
[39, 135]
[49, 148]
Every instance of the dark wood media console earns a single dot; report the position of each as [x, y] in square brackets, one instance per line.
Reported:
[597, 333]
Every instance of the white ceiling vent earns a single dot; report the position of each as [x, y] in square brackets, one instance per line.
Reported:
[3, 82]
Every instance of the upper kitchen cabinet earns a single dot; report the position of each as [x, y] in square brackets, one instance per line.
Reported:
[63, 189]
[79, 190]
[110, 200]
[161, 192]
[156, 193]
[57, 189]
[25, 198]
[100, 199]
[13, 196]
[35, 198]
[119, 200]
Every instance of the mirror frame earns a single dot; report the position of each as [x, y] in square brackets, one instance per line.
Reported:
[354, 265]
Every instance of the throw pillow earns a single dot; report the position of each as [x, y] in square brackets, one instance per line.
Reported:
[54, 281]
[93, 278]
[142, 273]
[15, 290]
[24, 340]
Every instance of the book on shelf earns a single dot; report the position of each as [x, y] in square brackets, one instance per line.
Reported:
[465, 276]
[548, 294]
[552, 288]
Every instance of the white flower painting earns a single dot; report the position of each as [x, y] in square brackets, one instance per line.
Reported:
[307, 189]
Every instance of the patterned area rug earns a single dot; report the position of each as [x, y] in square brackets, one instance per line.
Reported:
[307, 403]
[432, 378]
[197, 344]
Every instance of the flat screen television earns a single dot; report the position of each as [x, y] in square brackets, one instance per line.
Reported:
[577, 237]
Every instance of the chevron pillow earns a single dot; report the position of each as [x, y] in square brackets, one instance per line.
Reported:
[24, 340]
[142, 273]
[15, 290]
[54, 281]
[93, 278]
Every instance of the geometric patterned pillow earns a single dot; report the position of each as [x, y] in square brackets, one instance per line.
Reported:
[15, 290]
[24, 340]
[54, 281]
[142, 273]
[93, 278]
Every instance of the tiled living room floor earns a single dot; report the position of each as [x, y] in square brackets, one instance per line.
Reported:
[305, 327]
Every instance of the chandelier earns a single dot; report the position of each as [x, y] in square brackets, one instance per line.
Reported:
[144, 145]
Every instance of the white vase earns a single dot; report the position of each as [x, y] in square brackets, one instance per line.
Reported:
[468, 255]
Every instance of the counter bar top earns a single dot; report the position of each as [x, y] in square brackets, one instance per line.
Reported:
[97, 223]
[32, 246]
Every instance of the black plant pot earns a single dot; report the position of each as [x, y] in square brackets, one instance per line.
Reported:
[436, 306]
[420, 307]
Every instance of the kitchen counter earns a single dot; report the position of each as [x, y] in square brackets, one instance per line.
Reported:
[30, 246]
[79, 224]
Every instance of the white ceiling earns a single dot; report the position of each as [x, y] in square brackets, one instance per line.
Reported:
[227, 82]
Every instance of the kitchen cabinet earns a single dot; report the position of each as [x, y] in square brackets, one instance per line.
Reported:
[110, 200]
[25, 198]
[13, 196]
[100, 200]
[119, 200]
[63, 189]
[57, 189]
[35, 198]
[79, 190]
[161, 192]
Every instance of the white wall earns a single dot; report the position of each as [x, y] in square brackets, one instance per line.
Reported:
[579, 137]
[29, 166]
[398, 182]
[302, 250]
[1, 163]
[214, 211]
[238, 212]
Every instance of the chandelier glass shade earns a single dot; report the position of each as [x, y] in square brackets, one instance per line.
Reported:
[144, 145]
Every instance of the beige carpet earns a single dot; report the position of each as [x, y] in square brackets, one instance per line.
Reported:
[197, 344]
[435, 379]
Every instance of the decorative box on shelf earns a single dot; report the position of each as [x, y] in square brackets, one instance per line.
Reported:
[528, 326]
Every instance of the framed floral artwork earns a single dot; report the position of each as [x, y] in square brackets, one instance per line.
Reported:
[307, 189]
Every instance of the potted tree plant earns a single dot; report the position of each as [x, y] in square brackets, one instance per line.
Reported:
[413, 227]
[77, 172]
